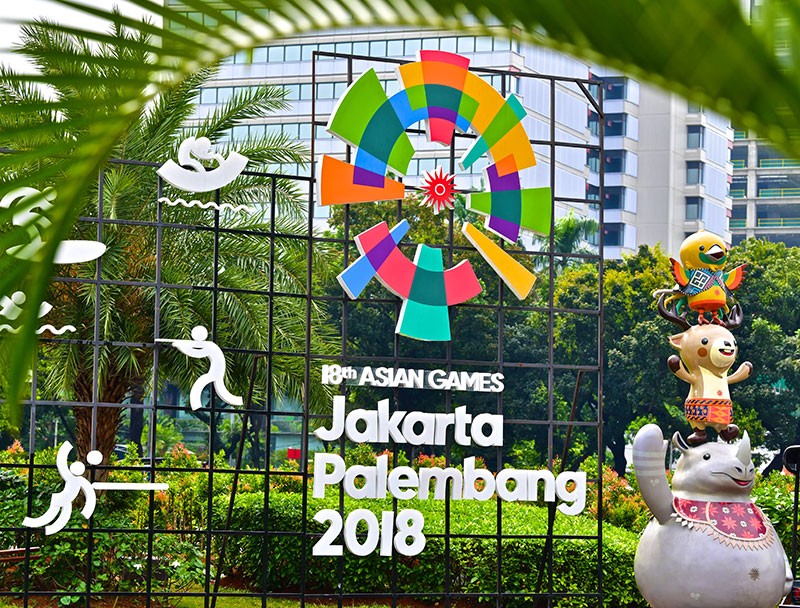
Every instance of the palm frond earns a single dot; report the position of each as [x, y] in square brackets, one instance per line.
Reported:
[705, 51]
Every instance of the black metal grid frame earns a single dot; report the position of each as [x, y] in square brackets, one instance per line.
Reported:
[544, 595]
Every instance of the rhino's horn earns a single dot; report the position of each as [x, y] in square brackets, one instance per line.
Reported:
[743, 453]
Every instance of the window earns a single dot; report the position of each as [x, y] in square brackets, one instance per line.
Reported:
[208, 96]
[430, 44]
[739, 157]
[427, 164]
[502, 44]
[483, 44]
[412, 46]
[466, 44]
[694, 137]
[224, 94]
[377, 48]
[275, 54]
[291, 130]
[260, 55]
[448, 44]
[614, 87]
[239, 132]
[614, 235]
[694, 208]
[325, 90]
[614, 197]
[345, 48]
[615, 125]
[292, 53]
[694, 172]
[394, 48]
[615, 161]
[361, 48]
[593, 161]
[305, 92]
[594, 123]
[307, 52]
[292, 92]
[738, 187]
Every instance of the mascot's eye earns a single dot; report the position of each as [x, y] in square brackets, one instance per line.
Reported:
[704, 341]
[706, 456]
[702, 247]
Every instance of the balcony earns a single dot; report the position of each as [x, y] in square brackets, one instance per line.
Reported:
[776, 222]
[738, 193]
[775, 163]
[776, 193]
[739, 135]
[734, 224]
[739, 163]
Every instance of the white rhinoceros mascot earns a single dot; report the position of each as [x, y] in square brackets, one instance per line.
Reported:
[708, 546]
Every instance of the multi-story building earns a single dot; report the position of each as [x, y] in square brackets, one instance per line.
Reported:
[766, 185]
[289, 64]
[765, 192]
[667, 167]
[666, 162]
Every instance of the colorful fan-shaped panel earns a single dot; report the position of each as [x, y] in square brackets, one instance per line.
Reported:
[426, 288]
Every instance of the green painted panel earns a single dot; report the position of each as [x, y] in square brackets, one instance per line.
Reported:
[356, 107]
[536, 210]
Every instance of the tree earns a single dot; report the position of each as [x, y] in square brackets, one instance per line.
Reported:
[570, 235]
[126, 307]
[770, 337]
[636, 381]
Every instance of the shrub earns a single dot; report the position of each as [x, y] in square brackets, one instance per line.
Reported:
[287, 483]
[472, 564]
[623, 505]
[775, 495]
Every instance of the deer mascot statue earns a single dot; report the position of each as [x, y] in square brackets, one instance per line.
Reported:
[707, 352]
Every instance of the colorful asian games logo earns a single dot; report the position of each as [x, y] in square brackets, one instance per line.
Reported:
[440, 90]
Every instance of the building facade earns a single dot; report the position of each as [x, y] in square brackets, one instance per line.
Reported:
[666, 162]
[765, 192]
[667, 167]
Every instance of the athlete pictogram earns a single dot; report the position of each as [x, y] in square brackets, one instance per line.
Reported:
[57, 516]
[199, 347]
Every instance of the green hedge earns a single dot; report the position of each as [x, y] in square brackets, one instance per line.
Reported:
[473, 561]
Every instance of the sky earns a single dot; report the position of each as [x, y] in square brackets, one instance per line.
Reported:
[15, 10]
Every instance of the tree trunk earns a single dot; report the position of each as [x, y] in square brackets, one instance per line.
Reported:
[136, 425]
[256, 426]
[617, 447]
[107, 419]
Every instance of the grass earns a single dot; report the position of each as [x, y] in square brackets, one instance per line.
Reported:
[230, 601]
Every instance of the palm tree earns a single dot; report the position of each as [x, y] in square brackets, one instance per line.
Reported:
[571, 234]
[706, 51]
[129, 192]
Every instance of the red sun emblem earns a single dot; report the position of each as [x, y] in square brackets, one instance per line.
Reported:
[439, 189]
